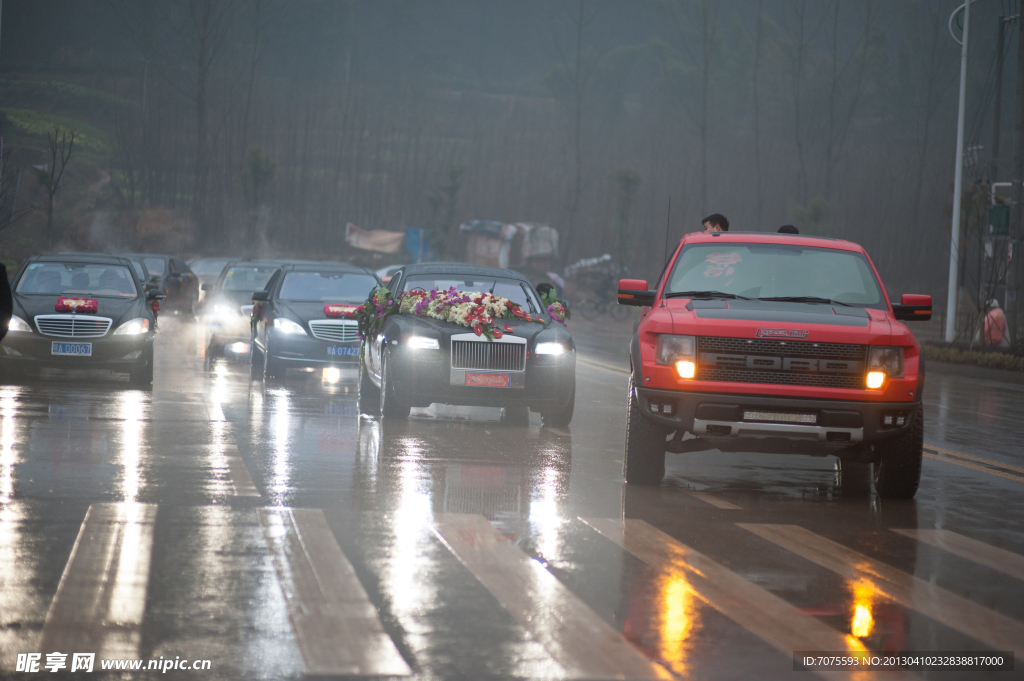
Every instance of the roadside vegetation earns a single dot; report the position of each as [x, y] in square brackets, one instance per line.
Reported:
[989, 360]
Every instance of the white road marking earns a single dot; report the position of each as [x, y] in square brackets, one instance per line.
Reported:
[594, 364]
[715, 501]
[956, 612]
[101, 599]
[575, 636]
[757, 610]
[241, 480]
[216, 413]
[337, 627]
[981, 553]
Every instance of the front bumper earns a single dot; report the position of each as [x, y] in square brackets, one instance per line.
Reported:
[297, 352]
[733, 422]
[426, 377]
[117, 353]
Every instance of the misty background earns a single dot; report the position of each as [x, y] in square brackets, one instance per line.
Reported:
[264, 126]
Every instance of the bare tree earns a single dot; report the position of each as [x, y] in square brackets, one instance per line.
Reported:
[51, 176]
[10, 183]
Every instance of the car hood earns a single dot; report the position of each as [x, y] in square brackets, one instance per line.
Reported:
[773, 319]
[27, 306]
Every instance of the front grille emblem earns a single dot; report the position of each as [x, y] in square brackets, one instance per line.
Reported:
[781, 333]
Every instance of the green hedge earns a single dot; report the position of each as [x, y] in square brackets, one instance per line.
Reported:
[989, 360]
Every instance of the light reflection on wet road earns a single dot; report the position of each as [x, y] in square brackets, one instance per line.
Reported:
[208, 449]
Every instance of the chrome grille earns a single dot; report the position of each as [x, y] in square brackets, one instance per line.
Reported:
[335, 330]
[488, 355]
[73, 325]
[852, 381]
[759, 346]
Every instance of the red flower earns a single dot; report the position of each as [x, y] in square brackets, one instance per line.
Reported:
[477, 330]
[509, 329]
[496, 333]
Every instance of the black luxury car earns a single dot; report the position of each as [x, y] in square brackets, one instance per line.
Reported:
[416, 361]
[80, 311]
[301, 319]
[227, 307]
[174, 278]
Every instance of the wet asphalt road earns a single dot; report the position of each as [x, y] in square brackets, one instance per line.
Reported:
[272, 531]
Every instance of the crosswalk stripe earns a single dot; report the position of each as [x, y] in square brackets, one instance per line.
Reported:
[956, 612]
[337, 626]
[573, 634]
[979, 552]
[715, 501]
[764, 614]
[241, 480]
[101, 599]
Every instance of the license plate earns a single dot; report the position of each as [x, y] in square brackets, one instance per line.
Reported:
[78, 349]
[342, 351]
[488, 380]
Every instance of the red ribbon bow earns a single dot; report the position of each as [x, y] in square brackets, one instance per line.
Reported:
[76, 305]
[343, 311]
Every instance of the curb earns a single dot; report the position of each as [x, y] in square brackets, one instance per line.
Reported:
[971, 371]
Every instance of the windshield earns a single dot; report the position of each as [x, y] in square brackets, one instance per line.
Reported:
[777, 271]
[73, 279]
[327, 286]
[208, 267]
[504, 288]
[154, 265]
[248, 278]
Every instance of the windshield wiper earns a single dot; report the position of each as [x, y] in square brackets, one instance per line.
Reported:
[704, 294]
[807, 299]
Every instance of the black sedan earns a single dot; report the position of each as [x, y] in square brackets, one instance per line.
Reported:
[303, 319]
[416, 361]
[173, 276]
[226, 311]
[82, 311]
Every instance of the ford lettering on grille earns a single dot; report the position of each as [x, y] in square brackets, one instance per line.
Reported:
[781, 333]
[781, 362]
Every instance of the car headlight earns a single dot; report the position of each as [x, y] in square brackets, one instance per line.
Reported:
[288, 327]
[550, 348]
[18, 324]
[677, 351]
[887, 359]
[133, 327]
[423, 343]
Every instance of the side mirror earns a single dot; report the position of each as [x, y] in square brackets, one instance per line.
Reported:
[260, 296]
[155, 294]
[913, 308]
[634, 292]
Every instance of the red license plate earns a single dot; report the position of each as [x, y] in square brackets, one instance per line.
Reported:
[488, 380]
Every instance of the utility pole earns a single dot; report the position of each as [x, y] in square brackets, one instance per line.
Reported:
[958, 178]
[1017, 209]
[993, 174]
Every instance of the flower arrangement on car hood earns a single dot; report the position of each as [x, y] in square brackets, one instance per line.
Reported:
[478, 311]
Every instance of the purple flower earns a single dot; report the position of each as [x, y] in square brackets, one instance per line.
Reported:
[391, 302]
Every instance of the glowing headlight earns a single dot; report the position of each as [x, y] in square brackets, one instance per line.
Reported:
[686, 369]
[673, 348]
[550, 349]
[133, 327]
[289, 327]
[18, 324]
[875, 379]
[331, 374]
[423, 343]
[238, 348]
[886, 359]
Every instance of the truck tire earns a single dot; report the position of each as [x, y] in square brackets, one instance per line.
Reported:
[644, 461]
[389, 405]
[898, 468]
[560, 418]
[368, 400]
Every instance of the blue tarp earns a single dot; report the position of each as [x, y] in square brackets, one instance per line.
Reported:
[417, 245]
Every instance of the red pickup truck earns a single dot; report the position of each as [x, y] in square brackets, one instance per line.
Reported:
[775, 343]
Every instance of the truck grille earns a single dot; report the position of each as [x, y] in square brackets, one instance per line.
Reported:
[73, 325]
[774, 362]
[338, 331]
[488, 355]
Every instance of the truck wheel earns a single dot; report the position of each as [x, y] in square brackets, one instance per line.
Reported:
[560, 418]
[389, 406]
[644, 462]
[368, 401]
[898, 469]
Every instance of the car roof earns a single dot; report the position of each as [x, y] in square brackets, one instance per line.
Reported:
[148, 255]
[314, 266]
[461, 268]
[98, 258]
[772, 238]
